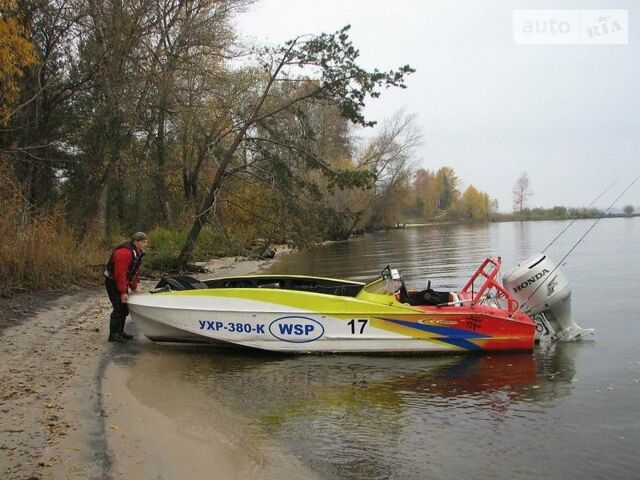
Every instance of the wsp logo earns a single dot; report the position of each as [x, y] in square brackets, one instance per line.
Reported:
[296, 329]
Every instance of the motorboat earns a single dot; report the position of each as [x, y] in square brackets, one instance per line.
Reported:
[306, 314]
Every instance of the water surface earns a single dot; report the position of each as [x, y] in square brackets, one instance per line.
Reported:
[565, 411]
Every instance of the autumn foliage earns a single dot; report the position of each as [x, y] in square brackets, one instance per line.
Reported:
[16, 55]
[126, 116]
[437, 195]
[39, 249]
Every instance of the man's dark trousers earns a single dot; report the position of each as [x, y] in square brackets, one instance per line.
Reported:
[120, 310]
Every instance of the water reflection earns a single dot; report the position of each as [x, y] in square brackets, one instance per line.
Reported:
[356, 416]
[522, 236]
[287, 387]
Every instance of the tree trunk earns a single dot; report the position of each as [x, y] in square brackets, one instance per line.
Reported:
[161, 186]
[138, 198]
[209, 203]
[203, 216]
[103, 214]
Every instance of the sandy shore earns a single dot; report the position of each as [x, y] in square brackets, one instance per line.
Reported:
[68, 408]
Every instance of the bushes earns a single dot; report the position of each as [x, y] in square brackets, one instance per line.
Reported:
[40, 251]
[165, 245]
[39, 248]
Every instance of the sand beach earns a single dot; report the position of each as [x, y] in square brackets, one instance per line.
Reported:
[68, 408]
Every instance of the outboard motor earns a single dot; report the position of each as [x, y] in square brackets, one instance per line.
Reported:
[543, 292]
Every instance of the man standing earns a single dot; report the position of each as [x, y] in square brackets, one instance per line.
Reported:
[122, 274]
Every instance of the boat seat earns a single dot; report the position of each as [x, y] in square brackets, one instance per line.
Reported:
[426, 297]
[454, 299]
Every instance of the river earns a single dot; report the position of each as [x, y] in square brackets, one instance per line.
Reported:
[565, 411]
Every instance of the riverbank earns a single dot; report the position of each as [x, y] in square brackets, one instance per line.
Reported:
[68, 410]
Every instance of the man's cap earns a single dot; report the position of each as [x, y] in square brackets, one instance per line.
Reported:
[138, 236]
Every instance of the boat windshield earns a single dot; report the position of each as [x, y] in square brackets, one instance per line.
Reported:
[388, 283]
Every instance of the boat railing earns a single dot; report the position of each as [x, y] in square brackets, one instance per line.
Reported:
[488, 270]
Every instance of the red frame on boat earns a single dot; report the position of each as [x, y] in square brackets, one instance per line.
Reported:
[489, 283]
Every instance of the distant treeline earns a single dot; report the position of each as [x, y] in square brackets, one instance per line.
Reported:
[555, 213]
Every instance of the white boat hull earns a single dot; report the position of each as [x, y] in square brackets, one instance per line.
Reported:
[269, 326]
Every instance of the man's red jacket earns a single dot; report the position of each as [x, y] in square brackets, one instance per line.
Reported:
[122, 260]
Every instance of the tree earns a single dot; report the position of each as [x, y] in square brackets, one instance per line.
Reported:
[129, 115]
[37, 135]
[188, 43]
[628, 210]
[338, 80]
[109, 104]
[16, 55]
[390, 153]
[331, 213]
[389, 157]
[521, 193]
[425, 193]
[494, 207]
[154, 65]
[447, 188]
[474, 205]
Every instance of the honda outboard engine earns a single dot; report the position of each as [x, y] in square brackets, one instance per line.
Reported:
[543, 292]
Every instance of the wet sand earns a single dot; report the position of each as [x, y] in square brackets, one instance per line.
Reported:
[71, 409]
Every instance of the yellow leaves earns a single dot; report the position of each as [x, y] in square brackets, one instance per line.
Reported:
[474, 204]
[16, 54]
[249, 209]
[439, 191]
[343, 162]
[426, 192]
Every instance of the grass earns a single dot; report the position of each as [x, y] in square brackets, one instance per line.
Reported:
[40, 250]
[165, 245]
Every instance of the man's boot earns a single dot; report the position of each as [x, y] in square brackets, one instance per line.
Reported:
[117, 338]
[125, 335]
[115, 326]
[121, 331]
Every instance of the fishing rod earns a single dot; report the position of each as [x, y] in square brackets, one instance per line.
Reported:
[575, 219]
[575, 245]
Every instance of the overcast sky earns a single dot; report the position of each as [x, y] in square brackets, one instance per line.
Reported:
[568, 115]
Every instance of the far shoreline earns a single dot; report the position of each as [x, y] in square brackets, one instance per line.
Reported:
[514, 220]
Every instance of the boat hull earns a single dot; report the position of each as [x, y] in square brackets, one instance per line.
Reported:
[314, 323]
